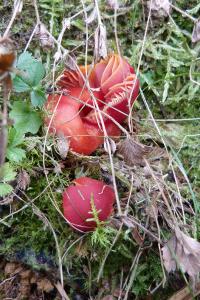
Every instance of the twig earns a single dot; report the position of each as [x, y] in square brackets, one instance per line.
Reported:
[17, 9]
[3, 128]
[183, 13]
[36, 12]
[161, 191]
[130, 121]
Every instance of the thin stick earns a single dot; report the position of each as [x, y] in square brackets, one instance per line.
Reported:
[183, 13]
[3, 129]
[36, 11]
[17, 9]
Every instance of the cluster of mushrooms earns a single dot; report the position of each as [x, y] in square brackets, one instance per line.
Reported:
[89, 103]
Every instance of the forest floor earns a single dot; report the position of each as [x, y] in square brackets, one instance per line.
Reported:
[149, 247]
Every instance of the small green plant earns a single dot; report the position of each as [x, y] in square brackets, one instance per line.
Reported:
[14, 152]
[31, 72]
[102, 235]
[7, 174]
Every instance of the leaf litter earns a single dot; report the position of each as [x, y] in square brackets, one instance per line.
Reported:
[131, 169]
[182, 252]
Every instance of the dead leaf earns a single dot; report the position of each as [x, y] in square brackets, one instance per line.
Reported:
[137, 237]
[134, 230]
[152, 210]
[45, 285]
[185, 294]
[113, 4]
[26, 274]
[12, 268]
[159, 8]
[133, 152]
[196, 32]
[45, 39]
[182, 251]
[70, 62]
[100, 42]
[23, 180]
[63, 146]
[92, 16]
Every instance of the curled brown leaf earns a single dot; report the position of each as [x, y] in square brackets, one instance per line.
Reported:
[100, 41]
[45, 39]
[159, 8]
[133, 152]
[23, 180]
[196, 32]
[182, 252]
[63, 146]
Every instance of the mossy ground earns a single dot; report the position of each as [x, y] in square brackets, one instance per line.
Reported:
[31, 234]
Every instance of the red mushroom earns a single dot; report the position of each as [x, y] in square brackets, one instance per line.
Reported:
[78, 199]
[113, 86]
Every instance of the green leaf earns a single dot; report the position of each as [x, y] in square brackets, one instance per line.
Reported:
[25, 118]
[32, 73]
[5, 189]
[24, 60]
[20, 85]
[8, 172]
[15, 137]
[15, 154]
[38, 97]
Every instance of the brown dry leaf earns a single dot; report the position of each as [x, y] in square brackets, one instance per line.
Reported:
[182, 251]
[45, 285]
[63, 146]
[23, 180]
[185, 294]
[152, 211]
[100, 42]
[70, 62]
[24, 288]
[159, 8]
[26, 274]
[196, 32]
[137, 237]
[45, 39]
[134, 230]
[133, 152]
[12, 268]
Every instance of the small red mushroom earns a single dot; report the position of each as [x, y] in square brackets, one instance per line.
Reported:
[78, 199]
[113, 89]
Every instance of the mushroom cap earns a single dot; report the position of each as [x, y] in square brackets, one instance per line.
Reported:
[78, 198]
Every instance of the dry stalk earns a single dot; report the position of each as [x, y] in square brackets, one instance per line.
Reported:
[3, 127]
[130, 123]
[17, 9]
[161, 191]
